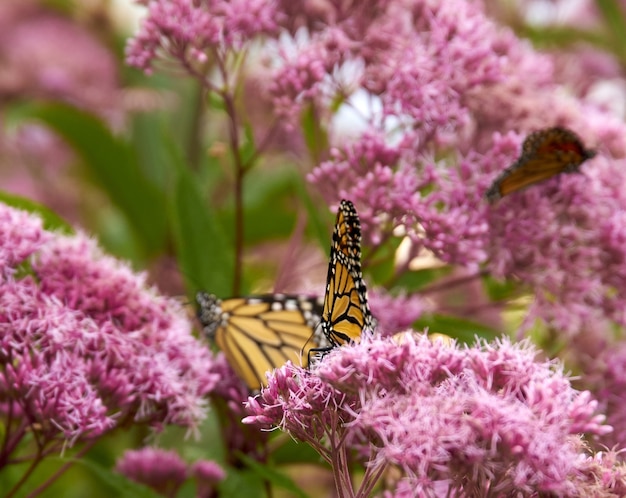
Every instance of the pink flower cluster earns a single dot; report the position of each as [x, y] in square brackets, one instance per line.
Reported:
[456, 87]
[165, 471]
[85, 344]
[190, 30]
[396, 313]
[461, 420]
[457, 93]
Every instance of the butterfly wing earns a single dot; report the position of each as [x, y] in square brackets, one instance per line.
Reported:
[346, 312]
[260, 333]
[545, 153]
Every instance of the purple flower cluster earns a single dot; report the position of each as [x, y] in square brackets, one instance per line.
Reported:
[452, 95]
[576, 262]
[440, 413]
[608, 373]
[34, 49]
[456, 87]
[85, 344]
[188, 30]
[165, 471]
[396, 313]
[457, 94]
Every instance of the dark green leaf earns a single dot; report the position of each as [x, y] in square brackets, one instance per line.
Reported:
[268, 473]
[270, 207]
[318, 217]
[114, 166]
[122, 486]
[412, 281]
[242, 483]
[292, 451]
[315, 135]
[248, 147]
[380, 265]
[562, 36]
[51, 220]
[501, 290]
[205, 255]
[614, 19]
[458, 328]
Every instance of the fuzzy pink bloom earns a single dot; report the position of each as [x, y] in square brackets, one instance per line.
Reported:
[568, 240]
[603, 474]
[188, 30]
[162, 470]
[34, 48]
[395, 313]
[608, 370]
[20, 236]
[452, 85]
[467, 419]
[86, 345]
[207, 474]
[461, 102]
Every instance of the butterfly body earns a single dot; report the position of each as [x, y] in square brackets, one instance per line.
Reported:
[545, 153]
[260, 333]
[346, 311]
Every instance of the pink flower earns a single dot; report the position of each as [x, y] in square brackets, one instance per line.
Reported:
[189, 30]
[165, 471]
[86, 345]
[20, 236]
[207, 474]
[466, 419]
[162, 470]
[568, 240]
[34, 49]
[396, 313]
[608, 374]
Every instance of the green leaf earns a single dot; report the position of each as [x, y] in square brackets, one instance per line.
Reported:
[315, 135]
[317, 216]
[270, 205]
[51, 220]
[291, 451]
[248, 147]
[458, 328]
[412, 281]
[242, 483]
[614, 19]
[205, 254]
[123, 487]
[268, 473]
[380, 265]
[150, 134]
[501, 290]
[562, 36]
[114, 166]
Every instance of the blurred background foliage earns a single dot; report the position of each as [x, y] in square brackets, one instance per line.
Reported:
[143, 164]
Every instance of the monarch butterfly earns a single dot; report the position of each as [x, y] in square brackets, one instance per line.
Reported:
[346, 312]
[261, 333]
[545, 153]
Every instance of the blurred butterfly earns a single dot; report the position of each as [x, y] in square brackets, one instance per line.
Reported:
[346, 312]
[545, 153]
[261, 333]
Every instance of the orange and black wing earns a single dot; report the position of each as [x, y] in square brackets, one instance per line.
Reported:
[346, 312]
[261, 333]
[545, 153]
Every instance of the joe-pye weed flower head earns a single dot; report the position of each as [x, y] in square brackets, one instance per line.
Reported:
[85, 345]
[438, 412]
[453, 94]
